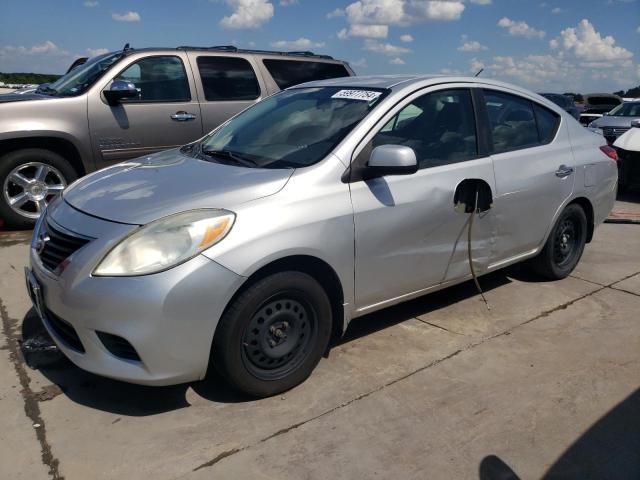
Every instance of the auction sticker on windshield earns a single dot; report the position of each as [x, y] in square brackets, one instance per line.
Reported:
[364, 95]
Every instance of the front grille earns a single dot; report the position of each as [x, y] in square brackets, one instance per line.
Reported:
[614, 132]
[118, 346]
[57, 245]
[64, 331]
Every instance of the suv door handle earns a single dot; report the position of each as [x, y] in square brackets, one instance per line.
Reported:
[564, 171]
[183, 116]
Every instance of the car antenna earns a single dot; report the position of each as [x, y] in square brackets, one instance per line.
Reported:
[126, 47]
[479, 72]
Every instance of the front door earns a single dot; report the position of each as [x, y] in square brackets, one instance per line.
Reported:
[408, 237]
[165, 114]
[533, 164]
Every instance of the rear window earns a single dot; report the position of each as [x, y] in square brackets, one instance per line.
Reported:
[228, 78]
[287, 73]
[603, 101]
[547, 122]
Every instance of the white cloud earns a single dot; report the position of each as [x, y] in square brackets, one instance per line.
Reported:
[471, 46]
[248, 14]
[300, 44]
[287, 3]
[638, 29]
[384, 48]
[520, 28]
[91, 3]
[481, 2]
[403, 12]
[587, 45]
[556, 10]
[126, 17]
[396, 61]
[94, 52]
[46, 47]
[338, 12]
[364, 31]
[475, 65]
[406, 38]
[360, 63]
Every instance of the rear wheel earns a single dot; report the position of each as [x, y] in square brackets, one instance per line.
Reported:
[273, 334]
[564, 246]
[30, 179]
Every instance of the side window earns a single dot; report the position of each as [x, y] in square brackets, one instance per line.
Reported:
[228, 78]
[513, 125]
[439, 126]
[287, 73]
[548, 123]
[158, 79]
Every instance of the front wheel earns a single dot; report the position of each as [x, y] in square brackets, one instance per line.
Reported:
[30, 179]
[273, 334]
[564, 246]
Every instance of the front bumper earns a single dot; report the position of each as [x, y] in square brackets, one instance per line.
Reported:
[169, 318]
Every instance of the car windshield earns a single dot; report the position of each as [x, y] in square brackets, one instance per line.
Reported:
[630, 109]
[294, 128]
[79, 79]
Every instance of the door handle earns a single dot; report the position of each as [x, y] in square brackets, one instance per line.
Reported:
[564, 171]
[183, 116]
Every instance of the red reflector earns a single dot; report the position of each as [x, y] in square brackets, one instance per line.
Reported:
[610, 152]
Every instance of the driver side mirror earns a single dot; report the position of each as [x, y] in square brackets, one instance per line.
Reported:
[635, 123]
[391, 160]
[119, 90]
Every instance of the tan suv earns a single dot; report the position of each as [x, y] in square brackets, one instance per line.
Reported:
[125, 104]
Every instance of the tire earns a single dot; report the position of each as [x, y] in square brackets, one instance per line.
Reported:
[55, 174]
[273, 334]
[564, 246]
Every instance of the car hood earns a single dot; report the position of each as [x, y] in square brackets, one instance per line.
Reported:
[613, 121]
[23, 97]
[629, 141]
[142, 190]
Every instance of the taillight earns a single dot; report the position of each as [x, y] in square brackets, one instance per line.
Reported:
[610, 152]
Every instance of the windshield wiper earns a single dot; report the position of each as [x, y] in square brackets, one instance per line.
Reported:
[229, 155]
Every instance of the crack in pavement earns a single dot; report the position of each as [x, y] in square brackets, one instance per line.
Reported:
[31, 406]
[470, 346]
[435, 325]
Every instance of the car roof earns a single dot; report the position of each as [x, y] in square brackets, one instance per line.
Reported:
[398, 82]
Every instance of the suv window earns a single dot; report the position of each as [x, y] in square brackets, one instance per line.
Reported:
[513, 125]
[228, 78]
[439, 126]
[287, 73]
[158, 79]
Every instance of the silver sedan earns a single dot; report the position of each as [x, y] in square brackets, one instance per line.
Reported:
[248, 250]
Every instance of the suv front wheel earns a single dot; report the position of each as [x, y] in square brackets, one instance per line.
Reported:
[30, 179]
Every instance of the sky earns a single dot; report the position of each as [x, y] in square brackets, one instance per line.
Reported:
[553, 45]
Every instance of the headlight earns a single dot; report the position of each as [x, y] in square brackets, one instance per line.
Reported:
[165, 243]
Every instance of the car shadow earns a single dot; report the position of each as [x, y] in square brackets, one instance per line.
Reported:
[610, 448]
[136, 400]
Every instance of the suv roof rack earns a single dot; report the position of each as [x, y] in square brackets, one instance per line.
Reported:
[234, 49]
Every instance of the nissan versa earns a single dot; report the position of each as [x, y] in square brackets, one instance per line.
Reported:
[248, 250]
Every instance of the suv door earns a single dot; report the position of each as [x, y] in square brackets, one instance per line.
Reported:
[533, 164]
[408, 237]
[226, 85]
[164, 115]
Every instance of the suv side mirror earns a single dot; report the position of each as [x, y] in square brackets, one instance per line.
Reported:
[391, 160]
[120, 90]
[635, 123]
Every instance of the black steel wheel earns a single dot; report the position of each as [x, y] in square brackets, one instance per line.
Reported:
[273, 334]
[564, 246]
[278, 336]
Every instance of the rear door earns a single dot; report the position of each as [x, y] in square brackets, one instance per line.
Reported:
[534, 169]
[166, 113]
[226, 85]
